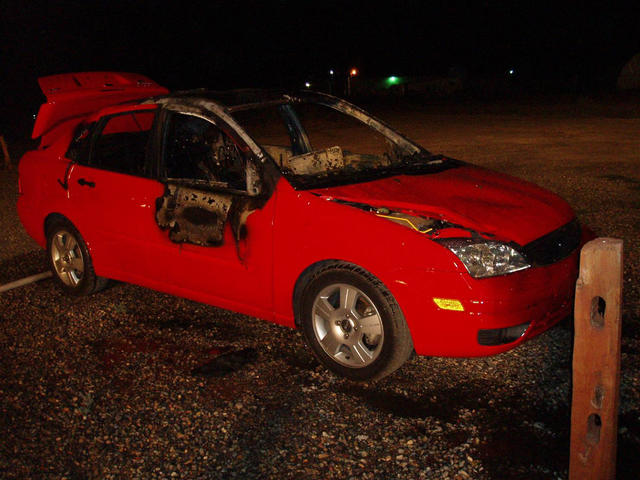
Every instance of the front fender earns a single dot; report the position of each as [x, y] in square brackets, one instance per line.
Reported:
[309, 229]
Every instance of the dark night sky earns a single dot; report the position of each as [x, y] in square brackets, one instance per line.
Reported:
[249, 43]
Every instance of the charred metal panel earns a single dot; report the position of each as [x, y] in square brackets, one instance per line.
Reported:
[193, 216]
[200, 107]
[261, 175]
[199, 216]
[254, 179]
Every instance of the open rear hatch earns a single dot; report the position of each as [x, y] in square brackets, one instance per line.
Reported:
[71, 95]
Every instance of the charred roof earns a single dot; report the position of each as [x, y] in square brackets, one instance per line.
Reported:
[235, 98]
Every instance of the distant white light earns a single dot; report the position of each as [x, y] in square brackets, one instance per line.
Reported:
[307, 84]
[330, 72]
[512, 71]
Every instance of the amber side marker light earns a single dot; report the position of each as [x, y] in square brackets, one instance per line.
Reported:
[449, 304]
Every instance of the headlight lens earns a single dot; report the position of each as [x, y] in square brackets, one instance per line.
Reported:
[486, 258]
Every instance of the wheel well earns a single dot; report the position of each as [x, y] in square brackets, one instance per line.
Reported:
[90, 282]
[307, 273]
[401, 342]
[51, 218]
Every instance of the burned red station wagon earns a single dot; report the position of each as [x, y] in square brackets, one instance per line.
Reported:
[300, 209]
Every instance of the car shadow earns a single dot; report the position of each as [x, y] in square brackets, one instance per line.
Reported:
[512, 437]
[225, 363]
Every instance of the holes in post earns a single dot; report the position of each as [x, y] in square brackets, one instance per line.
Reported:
[598, 307]
[594, 423]
[598, 396]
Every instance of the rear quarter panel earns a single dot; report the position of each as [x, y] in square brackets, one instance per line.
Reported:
[40, 193]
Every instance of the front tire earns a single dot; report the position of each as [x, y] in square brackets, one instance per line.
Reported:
[352, 323]
[70, 261]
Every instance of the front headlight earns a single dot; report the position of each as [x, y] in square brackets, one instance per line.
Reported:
[485, 258]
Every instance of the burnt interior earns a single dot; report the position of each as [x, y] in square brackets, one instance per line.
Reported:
[215, 172]
[212, 178]
[192, 215]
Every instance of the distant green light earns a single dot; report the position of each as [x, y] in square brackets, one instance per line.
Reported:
[392, 80]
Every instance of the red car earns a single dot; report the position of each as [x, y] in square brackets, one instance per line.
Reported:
[301, 209]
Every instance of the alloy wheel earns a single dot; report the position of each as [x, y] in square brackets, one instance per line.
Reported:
[348, 325]
[67, 258]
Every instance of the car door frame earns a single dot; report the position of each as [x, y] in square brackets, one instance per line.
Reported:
[241, 259]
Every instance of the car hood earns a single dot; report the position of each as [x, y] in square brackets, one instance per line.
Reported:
[473, 197]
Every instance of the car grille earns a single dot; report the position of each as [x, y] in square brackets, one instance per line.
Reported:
[555, 245]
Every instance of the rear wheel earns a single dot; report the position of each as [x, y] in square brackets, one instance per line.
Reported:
[352, 323]
[70, 261]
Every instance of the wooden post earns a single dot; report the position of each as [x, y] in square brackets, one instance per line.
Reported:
[5, 152]
[596, 361]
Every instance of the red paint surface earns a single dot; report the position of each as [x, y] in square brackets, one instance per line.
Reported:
[71, 95]
[474, 197]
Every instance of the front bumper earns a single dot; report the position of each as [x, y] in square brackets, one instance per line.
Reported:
[538, 297]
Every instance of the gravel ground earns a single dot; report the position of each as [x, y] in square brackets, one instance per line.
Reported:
[131, 383]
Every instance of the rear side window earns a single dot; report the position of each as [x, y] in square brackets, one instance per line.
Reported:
[121, 144]
[79, 147]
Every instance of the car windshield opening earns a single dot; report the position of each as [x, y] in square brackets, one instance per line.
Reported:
[315, 145]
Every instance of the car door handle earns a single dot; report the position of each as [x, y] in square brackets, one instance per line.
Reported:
[84, 182]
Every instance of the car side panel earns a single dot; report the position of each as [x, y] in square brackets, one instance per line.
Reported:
[41, 194]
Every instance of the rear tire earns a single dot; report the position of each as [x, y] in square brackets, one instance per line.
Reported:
[70, 261]
[352, 323]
